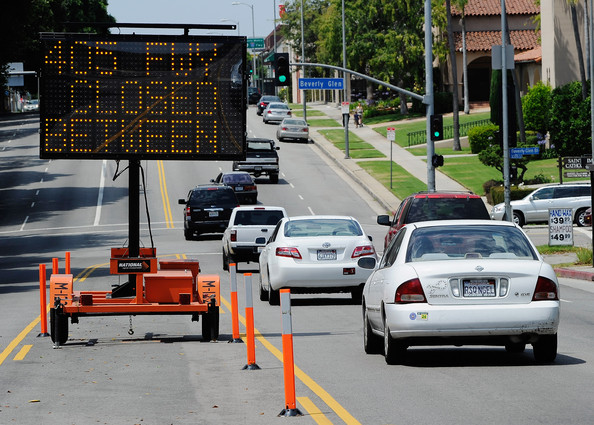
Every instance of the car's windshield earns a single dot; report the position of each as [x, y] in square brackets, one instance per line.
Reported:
[237, 178]
[459, 242]
[322, 227]
[434, 208]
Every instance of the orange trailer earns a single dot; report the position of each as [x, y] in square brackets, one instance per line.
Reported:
[174, 287]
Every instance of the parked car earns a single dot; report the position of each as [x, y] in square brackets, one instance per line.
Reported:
[460, 282]
[293, 128]
[242, 183]
[276, 111]
[264, 101]
[32, 106]
[425, 206]
[253, 95]
[315, 254]
[207, 209]
[534, 208]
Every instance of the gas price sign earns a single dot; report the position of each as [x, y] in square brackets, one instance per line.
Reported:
[560, 226]
[143, 97]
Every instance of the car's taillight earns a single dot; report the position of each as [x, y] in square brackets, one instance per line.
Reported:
[545, 290]
[363, 250]
[269, 111]
[249, 187]
[288, 252]
[188, 212]
[305, 130]
[410, 292]
[289, 113]
[284, 129]
[233, 235]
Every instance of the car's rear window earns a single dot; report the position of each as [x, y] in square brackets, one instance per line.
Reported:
[293, 122]
[259, 146]
[258, 217]
[458, 242]
[237, 178]
[218, 196]
[432, 208]
[279, 106]
[322, 227]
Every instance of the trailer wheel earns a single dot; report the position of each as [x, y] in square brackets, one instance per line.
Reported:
[210, 324]
[58, 326]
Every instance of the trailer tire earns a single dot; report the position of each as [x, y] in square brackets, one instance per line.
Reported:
[58, 326]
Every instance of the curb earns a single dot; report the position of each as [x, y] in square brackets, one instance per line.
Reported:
[574, 274]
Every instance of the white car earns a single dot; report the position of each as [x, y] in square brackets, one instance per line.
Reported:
[276, 111]
[460, 282]
[315, 254]
[534, 208]
[293, 128]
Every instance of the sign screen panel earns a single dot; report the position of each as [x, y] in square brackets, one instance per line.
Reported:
[143, 97]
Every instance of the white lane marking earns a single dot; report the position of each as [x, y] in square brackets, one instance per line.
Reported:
[41, 180]
[32, 204]
[300, 197]
[100, 195]
[291, 184]
[24, 222]
[37, 193]
[311, 211]
[46, 168]
[565, 301]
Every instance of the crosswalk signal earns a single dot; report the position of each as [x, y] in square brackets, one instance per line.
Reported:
[282, 75]
[436, 127]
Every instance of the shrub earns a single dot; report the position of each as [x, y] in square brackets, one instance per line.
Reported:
[480, 138]
[515, 192]
[487, 186]
[536, 105]
[570, 127]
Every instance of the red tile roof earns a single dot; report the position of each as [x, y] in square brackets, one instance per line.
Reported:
[534, 55]
[493, 7]
[483, 40]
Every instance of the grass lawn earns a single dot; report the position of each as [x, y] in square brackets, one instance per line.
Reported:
[403, 183]
[405, 127]
[323, 122]
[422, 151]
[310, 113]
[358, 148]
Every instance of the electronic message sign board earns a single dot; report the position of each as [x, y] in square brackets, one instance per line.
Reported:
[143, 97]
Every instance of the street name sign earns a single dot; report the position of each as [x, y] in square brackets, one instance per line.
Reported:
[321, 84]
[255, 43]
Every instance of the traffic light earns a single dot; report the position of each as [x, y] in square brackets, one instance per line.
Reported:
[437, 161]
[282, 75]
[436, 127]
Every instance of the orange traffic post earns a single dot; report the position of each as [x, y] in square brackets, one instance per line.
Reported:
[67, 270]
[43, 300]
[54, 266]
[288, 360]
[249, 325]
[234, 305]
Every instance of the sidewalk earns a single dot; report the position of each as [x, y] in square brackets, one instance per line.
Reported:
[417, 167]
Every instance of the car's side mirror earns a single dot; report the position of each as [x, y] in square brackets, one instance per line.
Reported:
[370, 238]
[383, 219]
[367, 263]
[212, 180]
[277, 148]
[181, 201]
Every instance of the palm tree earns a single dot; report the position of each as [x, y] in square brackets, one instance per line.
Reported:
[578, 44]
[460, 4]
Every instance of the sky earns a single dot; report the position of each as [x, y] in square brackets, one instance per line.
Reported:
[196, 12]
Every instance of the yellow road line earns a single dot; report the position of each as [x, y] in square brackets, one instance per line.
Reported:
[313, 411]
[164, 195]
[303, 377]
[13, 344]
[21, 354]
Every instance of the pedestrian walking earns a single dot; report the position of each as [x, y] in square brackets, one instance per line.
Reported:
[359, 115]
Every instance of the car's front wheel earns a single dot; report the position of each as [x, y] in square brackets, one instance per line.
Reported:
[518, 218]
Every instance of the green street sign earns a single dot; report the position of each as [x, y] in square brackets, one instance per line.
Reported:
[255, 43]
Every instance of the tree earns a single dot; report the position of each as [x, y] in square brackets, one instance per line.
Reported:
[570, 123]
[537, 104]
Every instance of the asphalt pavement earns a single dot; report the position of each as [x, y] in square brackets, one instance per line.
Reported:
[416, 166]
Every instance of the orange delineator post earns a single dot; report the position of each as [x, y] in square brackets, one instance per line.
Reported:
[288, 360]
[55, 269]
[249, 324]
[67, 271]
[43, 300]
[234, 304]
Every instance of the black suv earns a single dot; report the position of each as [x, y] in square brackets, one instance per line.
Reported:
[427, 206]
[208, 209]
[264, 101]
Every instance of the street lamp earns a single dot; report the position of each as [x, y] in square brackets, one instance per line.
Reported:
[251, 6]
[231, 20]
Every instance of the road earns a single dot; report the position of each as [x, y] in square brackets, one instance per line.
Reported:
[163, 373]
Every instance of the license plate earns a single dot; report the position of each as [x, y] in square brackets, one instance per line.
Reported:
[238, 188]
[213, 213]
[478, 288]
[326, 254]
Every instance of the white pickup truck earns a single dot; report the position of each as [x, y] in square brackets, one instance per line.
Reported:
[248, 231]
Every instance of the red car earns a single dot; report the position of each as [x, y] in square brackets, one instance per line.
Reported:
[428, 206]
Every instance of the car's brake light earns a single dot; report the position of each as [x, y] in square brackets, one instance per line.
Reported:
[360, 251]
[269, 111]
[233, 235]
[289, 113]
[545, 290]
[288, 252]
[247, 188]
[410, 291]
[284, 129]
[188, 212]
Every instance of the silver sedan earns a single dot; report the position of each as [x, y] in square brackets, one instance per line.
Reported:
[293, 128]
[460, 282]
[276, 111]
